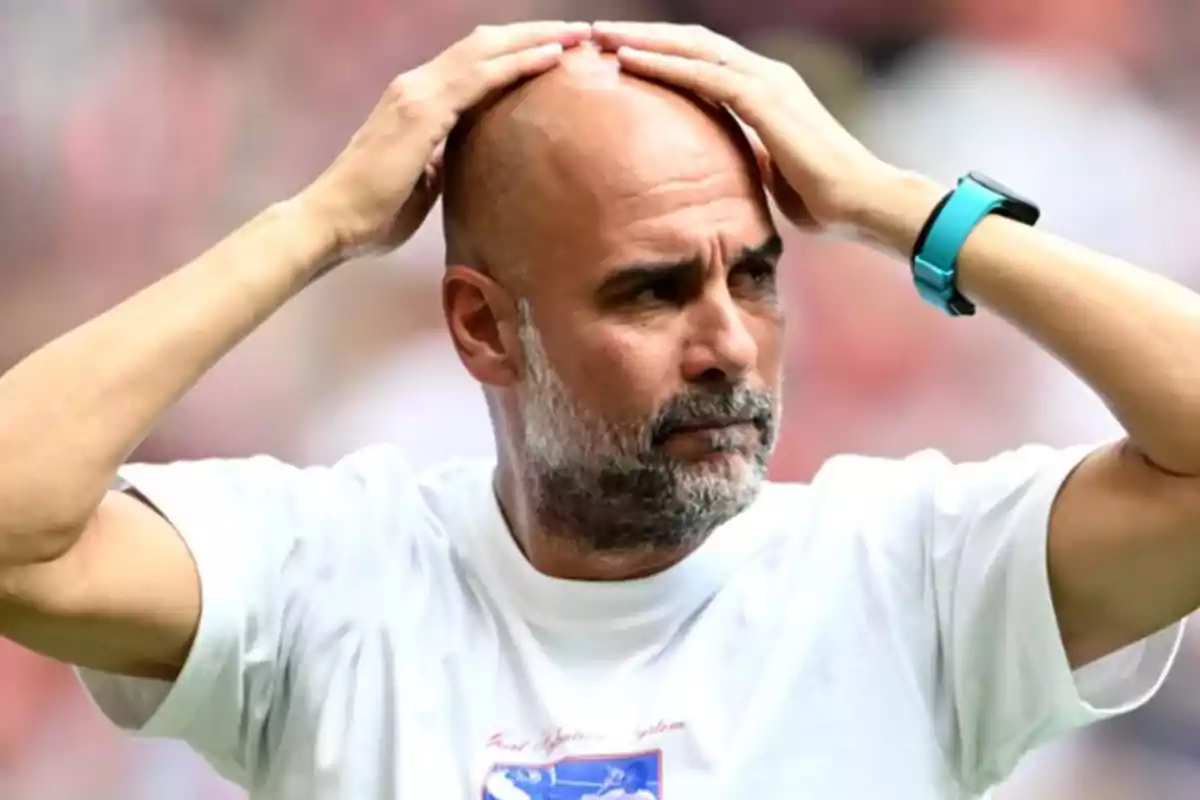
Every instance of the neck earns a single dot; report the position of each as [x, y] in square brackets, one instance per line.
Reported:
[558, 552]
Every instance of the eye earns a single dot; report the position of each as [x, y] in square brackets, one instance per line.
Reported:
[669, 290]
[753, 277]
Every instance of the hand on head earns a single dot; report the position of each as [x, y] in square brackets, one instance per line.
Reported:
[381, 187]
[379, 190]
[817, 171]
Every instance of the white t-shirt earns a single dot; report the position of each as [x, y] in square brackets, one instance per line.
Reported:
[886, 631]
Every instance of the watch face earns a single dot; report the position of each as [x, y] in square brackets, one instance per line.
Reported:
[997, 187]
[1017, 207]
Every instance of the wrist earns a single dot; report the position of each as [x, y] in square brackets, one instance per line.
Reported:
[309, 230]
[890, 209]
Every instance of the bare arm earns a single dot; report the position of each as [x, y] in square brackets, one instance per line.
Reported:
[71, 412]
[72, 555]
[1125, 531]
[97, 578]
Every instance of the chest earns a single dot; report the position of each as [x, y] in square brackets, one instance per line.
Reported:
[744, 699]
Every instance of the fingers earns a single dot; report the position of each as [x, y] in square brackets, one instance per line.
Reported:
[506, 69]
[761, 154]
[426, 192]
[466, 85]
[432, 178]
[687, 41]
[495, 56]
[709, 80]
[492, 41]
[437, 160]
[788, 199]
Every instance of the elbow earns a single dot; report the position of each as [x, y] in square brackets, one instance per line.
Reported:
[41, 518]
[27, 548]
[1181, 468]
[35, 529]
[1163, 425]
[1183, 464]
[1166, 440]
[1177, 454]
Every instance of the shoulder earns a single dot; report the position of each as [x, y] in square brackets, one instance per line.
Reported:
[847, 483]
[896, 503]
[392, 503]
[881, 475]
[369, 500]
[388, 556]
[372, 485]
[858, 487]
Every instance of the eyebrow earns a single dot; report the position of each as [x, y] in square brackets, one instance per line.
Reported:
[770, 250]
[632, 276]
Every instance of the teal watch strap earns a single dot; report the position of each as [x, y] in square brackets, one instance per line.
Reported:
[935, 268]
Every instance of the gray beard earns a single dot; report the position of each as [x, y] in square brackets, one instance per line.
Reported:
[614, 488]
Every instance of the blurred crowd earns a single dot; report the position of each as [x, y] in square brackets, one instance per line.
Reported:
[135, 132]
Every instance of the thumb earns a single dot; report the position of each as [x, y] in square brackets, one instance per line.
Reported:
[762, 156]
[437, 160]
[419, 203]
[432, 180]
[424, 194]
[786, 197]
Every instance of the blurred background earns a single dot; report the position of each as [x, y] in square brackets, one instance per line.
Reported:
[135, 132]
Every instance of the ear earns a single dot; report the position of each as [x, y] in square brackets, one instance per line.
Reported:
[482, 318]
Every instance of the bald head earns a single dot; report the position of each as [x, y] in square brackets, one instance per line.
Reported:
[579, 147]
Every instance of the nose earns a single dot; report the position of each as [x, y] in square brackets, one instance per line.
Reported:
[720, 347]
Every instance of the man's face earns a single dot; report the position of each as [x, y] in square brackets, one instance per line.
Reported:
[651, 337]
[634, 781]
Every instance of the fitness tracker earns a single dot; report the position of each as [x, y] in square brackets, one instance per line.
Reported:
[935, 255]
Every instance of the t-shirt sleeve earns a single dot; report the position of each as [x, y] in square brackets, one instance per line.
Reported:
[256, 529]
[1010, 685]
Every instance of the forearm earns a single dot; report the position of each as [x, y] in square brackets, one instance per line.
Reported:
[1132, 336]
[72, 411]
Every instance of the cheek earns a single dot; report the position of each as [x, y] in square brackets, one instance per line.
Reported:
[626, 374]
[769, 333]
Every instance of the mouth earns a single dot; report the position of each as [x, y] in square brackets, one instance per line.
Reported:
[713, 437]
[712, 424]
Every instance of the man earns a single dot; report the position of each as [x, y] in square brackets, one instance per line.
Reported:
[621, 580]
[627, 784]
